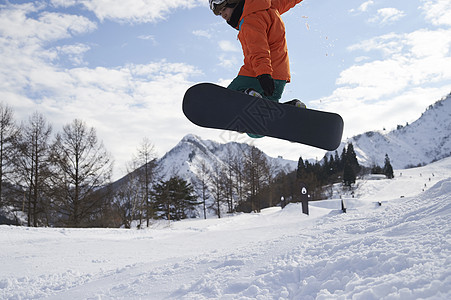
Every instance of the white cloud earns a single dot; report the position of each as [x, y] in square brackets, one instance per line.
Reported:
[387, 15]
[388, 44]
[47, 27]
[64, 3]
[438, 12]
[26, 58]
[364, 6]
[361, 58]
[149, 37]
[413, 71]
[136, 11]
[430, 43]
[202, 33]
[388, 113]
[228, 61]
[416, 58]
[413, 59]
[74, 53]
[122, 102]
[375, 79]
[228, 46]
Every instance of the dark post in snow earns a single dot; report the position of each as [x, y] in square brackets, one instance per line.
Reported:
[343, 205]
[304, 198]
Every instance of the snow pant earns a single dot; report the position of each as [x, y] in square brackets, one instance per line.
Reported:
[242, 83]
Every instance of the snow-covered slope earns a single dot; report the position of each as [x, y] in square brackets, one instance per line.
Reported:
[421, 142]
[400, 250]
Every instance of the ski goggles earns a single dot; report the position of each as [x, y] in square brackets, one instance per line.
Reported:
[213, 3]
[217, 5]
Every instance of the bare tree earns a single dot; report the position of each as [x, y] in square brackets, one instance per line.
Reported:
[82, 166]
[270, 171]
[255, 165]
[229, 182]
[147, 170]
[128, 199]
[237, 166]
[133, 200]
[217, 183]
[32, 163]
[9, 132]
[202, 184]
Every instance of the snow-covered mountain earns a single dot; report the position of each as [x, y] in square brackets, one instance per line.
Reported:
[186, 158]
[195, 160]
[426, 140]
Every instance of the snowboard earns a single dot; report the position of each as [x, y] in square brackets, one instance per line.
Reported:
[212, 106]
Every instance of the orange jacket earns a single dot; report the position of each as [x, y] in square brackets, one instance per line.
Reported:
[262, 37]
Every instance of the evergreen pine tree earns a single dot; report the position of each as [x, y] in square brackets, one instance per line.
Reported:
[175, 198]
[348, 174]
[323, 170]
[351, 157]
[388, 169]
[350, 165]
[301, 168]
[338, 162]
[343, 158]
[332, 166]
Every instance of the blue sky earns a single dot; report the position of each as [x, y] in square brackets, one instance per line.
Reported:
[123, 66]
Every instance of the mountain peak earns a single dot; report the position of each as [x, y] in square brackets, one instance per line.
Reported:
[191, 137]
[426, 140]
[185, 158]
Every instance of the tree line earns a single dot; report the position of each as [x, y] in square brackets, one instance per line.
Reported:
[64, 179]
[319, 177]
[53, 179]
[335, 168]
[243, 182]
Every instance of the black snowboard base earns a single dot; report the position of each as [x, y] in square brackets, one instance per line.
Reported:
[213, 106]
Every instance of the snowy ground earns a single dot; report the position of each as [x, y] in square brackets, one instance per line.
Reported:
[400, 250]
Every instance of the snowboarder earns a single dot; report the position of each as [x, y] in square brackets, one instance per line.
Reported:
[266, 67]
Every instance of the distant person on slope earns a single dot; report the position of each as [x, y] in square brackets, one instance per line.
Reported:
[266, 67]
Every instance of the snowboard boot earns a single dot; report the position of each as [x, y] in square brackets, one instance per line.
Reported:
[297, 103]
[253, 93]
